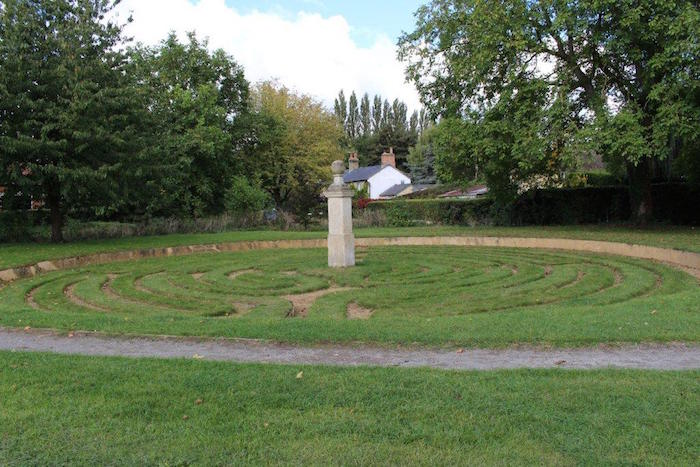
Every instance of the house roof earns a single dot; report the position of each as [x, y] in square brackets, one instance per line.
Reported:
[401, 187]
[395, 190]
[362, 174]
[474, 191]
[478, 190]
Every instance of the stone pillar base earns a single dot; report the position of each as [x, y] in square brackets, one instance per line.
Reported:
[341, 250]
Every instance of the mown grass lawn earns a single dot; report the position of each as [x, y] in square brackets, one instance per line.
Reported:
[60, 410]
[682, 238]
[435, 296]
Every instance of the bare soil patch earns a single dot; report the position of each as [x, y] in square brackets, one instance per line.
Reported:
[31, 301]
[107, 287]
[235, 274]
[579, 278]
[356, 311]
[302, 302]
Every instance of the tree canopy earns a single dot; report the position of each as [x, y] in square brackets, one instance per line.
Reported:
[372, 126]
[626, 72]
[69, 115]
[196, 100]
[297, 140]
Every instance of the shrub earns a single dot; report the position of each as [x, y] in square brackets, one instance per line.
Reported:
[433, 211]
[245, 197]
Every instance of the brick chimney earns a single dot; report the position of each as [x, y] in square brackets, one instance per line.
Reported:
[388, 158]
[353, 162]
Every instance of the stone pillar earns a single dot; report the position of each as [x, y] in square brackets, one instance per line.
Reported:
[341, 241]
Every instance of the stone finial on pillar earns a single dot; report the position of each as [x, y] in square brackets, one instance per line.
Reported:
[341, 241]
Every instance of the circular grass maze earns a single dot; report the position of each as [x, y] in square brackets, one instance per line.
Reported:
[426, 295]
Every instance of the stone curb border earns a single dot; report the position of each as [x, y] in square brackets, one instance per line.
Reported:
[688, 261]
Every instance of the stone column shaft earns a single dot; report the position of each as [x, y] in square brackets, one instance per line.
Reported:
[341, 241]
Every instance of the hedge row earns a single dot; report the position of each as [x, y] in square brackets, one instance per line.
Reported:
[675, 203]
[403, 213]
[18, 225]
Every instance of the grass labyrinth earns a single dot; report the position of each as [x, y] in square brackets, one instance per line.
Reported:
[425, 295]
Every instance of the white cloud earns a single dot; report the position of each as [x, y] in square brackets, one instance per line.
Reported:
[308, 53]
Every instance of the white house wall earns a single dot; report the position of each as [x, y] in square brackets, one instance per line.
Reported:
[385, 179]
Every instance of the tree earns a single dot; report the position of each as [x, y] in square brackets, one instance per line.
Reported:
[421, 160]
[617, 64]
[387, 117]
[414, 124]
[197, 99]
[300, 140]
[353, 123]
[376, 113]
[70, 118]
[341, 108]
[365, 116]
[398, 117]
[453, 143]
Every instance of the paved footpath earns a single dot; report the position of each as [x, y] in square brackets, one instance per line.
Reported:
[675, 356]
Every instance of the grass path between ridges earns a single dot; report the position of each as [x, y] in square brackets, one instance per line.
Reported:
[14, 255]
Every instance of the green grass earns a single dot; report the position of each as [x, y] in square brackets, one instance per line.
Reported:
[668, 237]
[104, 411]
[434, 296]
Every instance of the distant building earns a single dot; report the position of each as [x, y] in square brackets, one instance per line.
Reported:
[403, 189]
[472, 193]
[376, 178]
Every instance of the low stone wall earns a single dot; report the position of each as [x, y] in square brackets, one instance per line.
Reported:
[688, 261]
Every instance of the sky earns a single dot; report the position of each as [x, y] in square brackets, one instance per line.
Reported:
[315, 47]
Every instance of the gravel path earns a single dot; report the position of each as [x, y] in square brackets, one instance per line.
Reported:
[648, 356]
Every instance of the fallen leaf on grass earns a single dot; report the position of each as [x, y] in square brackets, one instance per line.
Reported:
[300, 375]
[185, 417]
[198, 402]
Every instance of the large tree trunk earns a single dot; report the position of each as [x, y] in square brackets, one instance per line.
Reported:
[53, 200]
[641, 199]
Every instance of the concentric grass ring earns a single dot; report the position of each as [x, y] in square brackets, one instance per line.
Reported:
[398, 290]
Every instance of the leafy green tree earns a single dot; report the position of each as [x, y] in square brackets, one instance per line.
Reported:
[353, 123]
[399, 117]
[629, 65]
[453, 142]
[387, 117]
[413, 125]
[299, 141]
[365, 116]
[197, 101]
[341, 108]
[376, 113]
[421, 159]
[70, 117]
[245, 197]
